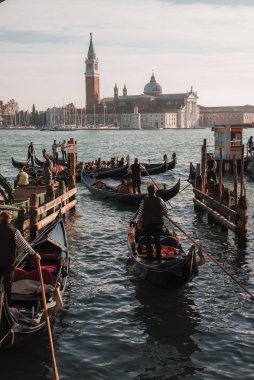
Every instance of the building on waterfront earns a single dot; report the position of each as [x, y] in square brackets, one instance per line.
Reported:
[228, 115]
[150, 110]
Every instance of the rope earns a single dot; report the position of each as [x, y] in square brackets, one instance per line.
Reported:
[212, 258]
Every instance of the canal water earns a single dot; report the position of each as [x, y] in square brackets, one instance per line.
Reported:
[116, 326]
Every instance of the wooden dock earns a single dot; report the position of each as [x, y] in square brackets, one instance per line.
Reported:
[34, 207]
[224, 206]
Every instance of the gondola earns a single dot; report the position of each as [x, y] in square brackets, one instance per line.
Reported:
[176, 267]
[19, 164]
[107, 192]
[25, 319]
[58, 162]
[115, 172]
[34, 171]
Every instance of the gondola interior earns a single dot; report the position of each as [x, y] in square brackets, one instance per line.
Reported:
[26, 314]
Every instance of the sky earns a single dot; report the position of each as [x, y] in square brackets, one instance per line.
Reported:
[208, 45]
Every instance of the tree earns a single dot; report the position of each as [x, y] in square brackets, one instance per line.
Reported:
[10, 109]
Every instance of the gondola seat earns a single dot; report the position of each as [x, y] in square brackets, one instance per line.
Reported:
[21, 274]
[141, 248]
[168, 246]
[169, 241]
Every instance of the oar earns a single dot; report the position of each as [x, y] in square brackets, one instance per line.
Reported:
[1, 297]
[55, 370]
[184, 188]
[155, 184]
[211, 257]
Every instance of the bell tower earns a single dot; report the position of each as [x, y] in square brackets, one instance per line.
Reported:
[92, 77]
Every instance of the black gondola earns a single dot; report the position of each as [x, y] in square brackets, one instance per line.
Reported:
[25, 319]
[107, 192]
[20, 164]
[58, 162]
[115, 172]
[176, 268]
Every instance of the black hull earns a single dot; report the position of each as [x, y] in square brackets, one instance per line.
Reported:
[21, 164]
[58, 162]
[14, 329]
[171, 273]
[154, 169]
[128, 199]
[118, 172]
[166, 278]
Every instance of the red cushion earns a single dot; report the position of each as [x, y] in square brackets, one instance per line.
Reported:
[21, 274]
[50, 268]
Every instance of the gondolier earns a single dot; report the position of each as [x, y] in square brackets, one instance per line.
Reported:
[151, 212]
[30, 153]
[135, 170]
[11, 242]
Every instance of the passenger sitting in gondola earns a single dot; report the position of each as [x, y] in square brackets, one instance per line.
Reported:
[100, 185]
[124, 187]
[112, 162]
[121, 162]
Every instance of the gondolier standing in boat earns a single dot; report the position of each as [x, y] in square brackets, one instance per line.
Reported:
[135, 170]
[150, 214]
[30, 153]
[11, 242]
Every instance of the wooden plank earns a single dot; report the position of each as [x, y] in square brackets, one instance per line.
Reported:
[26, 192]
[216, 205]
[8, 207]
[55, 202]
[225, 222]
[44, 222]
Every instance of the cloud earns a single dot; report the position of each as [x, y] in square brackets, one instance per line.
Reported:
[207, 44]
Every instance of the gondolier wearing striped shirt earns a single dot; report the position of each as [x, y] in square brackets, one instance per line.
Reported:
[12, 242]
[151, 212]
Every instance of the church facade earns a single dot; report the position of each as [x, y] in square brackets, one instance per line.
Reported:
[150, 110]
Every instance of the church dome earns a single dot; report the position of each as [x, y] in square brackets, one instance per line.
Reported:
[152, 88]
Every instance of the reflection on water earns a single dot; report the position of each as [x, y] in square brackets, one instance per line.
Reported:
[170, 320]
[30, 362]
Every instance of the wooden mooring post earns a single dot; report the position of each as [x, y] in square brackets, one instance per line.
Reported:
[216, 199]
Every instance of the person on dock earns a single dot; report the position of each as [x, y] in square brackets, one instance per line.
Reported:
[11, 242]
[22, 178]
[250, 144]
[30, 153]
[55, 148]
[135, 170]
[64, 147]
[150, 214]
[48, 167]
[211, 167]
